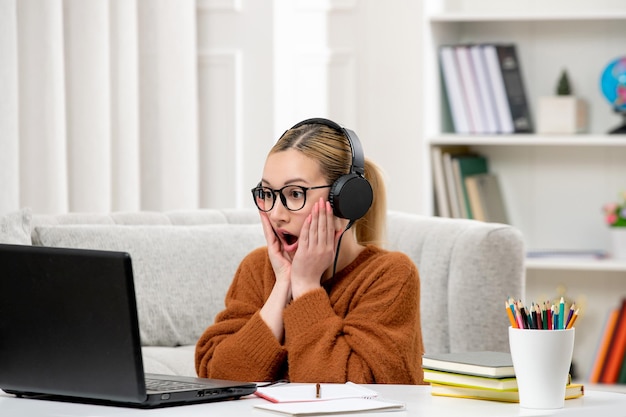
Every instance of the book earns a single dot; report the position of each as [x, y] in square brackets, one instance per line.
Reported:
[454, 89]
[485, 90]
[603, 346]
[343, 406]
[439, 186]
[571, 391]
[463, 166]
[451, 187]
[473, 381]
[510, 80]
[621, 379]
[485, 197]
[470, 87]
[439, 180]
[318, 399]
[617, 349]
[503, 112]
[308, 392]
[480, 363]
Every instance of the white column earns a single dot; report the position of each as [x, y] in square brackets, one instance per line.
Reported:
[43, 174]
[124, 106]
[169, 103]
[9, 133]
[88, 104]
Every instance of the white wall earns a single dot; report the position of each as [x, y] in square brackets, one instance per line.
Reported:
[144, 104]
[356, 62]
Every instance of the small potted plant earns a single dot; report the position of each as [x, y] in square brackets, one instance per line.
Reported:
[563, 113]
[615, 217]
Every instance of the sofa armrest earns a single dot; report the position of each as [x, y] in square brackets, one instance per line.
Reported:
[467, 270]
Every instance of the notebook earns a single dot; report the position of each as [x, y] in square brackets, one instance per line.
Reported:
[69, 330]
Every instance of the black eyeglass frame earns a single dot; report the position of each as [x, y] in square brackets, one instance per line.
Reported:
[283, 199]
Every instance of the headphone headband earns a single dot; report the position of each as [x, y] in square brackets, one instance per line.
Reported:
[358, 158]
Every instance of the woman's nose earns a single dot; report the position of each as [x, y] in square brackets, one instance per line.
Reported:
[279, 211]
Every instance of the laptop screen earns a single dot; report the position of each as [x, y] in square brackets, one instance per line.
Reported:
[68, 322]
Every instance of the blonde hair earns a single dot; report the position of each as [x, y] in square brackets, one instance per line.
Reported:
[331, 149]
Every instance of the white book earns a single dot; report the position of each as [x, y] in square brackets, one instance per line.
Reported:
[439, 182]
[505, 120]
[453, 196]
[459, 186]
[470, 87]
[485, 89]
[454, 89]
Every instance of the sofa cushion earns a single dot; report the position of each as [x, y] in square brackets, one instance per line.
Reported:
[181, 273]
[15, 227]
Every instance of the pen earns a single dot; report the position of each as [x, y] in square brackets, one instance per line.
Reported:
[318, 390]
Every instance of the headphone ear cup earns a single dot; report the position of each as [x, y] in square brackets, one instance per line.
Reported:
[351, 196]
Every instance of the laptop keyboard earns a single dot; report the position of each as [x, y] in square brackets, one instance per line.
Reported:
[169, 385]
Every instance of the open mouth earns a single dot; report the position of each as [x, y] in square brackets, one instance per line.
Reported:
[289, 239]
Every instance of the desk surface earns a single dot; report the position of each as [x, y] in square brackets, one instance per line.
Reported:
[418, 401]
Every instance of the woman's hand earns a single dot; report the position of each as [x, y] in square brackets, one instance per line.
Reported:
[281, 261]
[272, 310]
[316, 249]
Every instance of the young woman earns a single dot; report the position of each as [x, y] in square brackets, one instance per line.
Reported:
[323, 302]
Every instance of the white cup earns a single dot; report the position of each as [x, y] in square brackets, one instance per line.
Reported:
[542, 360]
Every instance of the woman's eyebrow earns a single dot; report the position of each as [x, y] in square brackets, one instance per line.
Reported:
[288, 182]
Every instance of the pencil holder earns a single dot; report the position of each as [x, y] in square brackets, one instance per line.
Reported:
[542, 360]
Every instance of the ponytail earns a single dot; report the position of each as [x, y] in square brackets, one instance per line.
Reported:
[370, 229]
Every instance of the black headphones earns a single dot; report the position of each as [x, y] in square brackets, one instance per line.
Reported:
[351, 194]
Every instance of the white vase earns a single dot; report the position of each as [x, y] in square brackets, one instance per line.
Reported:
[618, 242]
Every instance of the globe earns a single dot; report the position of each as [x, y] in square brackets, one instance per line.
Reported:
[613, 86]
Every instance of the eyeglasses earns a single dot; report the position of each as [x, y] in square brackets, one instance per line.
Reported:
[293, 197]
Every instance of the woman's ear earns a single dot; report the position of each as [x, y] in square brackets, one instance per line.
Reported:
[340, 224]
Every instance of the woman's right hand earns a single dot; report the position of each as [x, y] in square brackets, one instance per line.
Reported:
[272, 310]
[281, 261]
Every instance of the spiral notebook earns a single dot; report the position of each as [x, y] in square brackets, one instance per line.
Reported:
[307, 399]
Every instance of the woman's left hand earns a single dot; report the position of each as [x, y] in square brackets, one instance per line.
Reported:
[316, 249]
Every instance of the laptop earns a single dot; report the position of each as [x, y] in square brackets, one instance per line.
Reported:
[69, 331]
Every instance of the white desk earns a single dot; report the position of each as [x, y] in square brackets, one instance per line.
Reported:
[418, 400]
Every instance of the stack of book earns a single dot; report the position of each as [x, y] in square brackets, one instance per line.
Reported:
[464, 186]
[484, 375]
[609, 366]
[484, 88]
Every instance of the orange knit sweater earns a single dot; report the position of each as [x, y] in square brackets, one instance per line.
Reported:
[362, 326]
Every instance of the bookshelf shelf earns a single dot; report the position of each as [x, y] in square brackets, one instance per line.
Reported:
[583, 140]
[596, 15]
[553, 186]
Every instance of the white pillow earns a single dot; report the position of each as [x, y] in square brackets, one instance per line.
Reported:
[15, 227]
[181, 273]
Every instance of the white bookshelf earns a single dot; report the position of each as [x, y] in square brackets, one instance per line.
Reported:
[554, 186]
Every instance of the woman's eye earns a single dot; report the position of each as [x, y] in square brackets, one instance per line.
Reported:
[296, 194]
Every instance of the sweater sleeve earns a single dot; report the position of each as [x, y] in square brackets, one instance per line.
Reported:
[375, 339]
[239, 345]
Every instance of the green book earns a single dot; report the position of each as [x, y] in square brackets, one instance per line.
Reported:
[481, 363]
[463, 167]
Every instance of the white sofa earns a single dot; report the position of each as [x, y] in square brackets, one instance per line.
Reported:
[184, 262]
